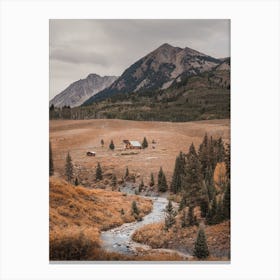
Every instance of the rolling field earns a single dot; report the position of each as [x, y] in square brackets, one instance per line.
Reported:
[80, 136]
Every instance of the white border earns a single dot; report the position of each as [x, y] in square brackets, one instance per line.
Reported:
[255, 138]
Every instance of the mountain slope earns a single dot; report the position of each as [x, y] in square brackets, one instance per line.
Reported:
[79, 91]
[158, 70]
[197, 97]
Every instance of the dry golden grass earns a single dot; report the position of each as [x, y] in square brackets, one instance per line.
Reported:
[218, 238]
[79, 136]
[159, 256]
[78, 214]
[74, 243]
[79, 206]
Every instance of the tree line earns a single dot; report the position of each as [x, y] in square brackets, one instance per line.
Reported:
[193, 178]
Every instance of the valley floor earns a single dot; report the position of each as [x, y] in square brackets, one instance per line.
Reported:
[80, 136]
[80, 215]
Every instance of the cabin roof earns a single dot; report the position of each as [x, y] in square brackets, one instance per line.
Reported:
[135, 143]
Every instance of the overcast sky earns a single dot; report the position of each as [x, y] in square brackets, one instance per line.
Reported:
[108, 47]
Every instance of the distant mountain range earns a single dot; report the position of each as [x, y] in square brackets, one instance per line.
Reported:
[168, 84]
[158, 70]
[80, 91]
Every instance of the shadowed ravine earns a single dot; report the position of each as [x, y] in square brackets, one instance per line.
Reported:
[119, 239]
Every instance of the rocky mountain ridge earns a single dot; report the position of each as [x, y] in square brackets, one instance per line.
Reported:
[158, 70]
[81, 90]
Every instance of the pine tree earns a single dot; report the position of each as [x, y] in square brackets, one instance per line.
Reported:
[112, 146]
[114, 180]
[204, 208]
[209, 175]
[219, 213]
[227, 160]
[192, 182]
[126, 173]
[170, 215]
[145, 143]
[212, 154]
[212, 213]
[69, 169]
[226, 202]
[141, 186]
[184, 219]
[98, 174]
[183, 202]
[152, 181]
[220, 150]
[179, 171]
[209, 181]
[203, 154]
[191, 219]
[134, 209]
[51, 168]
[76, 182]
[200, 247]
[162, 184]
[160, 174]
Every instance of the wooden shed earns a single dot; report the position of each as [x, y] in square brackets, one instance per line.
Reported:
[132, 144]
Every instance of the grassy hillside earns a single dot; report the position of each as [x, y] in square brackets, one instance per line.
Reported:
[77, 215]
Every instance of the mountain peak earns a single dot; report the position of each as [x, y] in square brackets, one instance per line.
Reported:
[93, 75]
[158, 70]
[165, 45]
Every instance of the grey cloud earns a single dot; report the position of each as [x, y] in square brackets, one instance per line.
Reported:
[108, 47]
[78, 56]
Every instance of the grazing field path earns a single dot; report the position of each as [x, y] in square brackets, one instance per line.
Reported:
[119, 239]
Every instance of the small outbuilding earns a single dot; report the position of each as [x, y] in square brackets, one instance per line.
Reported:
[132, 144]
[91, 154]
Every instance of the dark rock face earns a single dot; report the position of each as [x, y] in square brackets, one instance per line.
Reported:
[158, 70]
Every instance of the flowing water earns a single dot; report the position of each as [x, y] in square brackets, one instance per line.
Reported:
[119, 239]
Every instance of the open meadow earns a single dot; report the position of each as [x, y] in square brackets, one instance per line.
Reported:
[80, 136]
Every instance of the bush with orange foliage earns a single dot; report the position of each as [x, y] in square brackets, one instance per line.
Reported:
[220, 177]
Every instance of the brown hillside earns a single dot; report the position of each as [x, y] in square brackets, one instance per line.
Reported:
[79, 206]
[78, 214]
